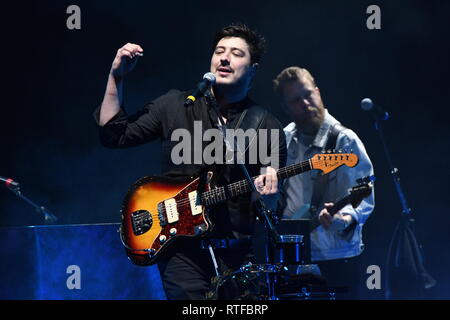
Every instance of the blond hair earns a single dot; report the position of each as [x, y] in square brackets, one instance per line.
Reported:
[291, 74]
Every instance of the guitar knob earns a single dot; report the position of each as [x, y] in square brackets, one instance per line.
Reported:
[173, 231]
[162, 238]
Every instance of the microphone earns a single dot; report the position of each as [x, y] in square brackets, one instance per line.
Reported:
[377, 111]
[9, 182]
[208, 80]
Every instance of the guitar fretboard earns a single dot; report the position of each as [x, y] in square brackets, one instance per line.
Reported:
[221, 194]
[339, 205]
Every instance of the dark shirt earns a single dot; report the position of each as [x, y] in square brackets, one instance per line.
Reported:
[159, 118]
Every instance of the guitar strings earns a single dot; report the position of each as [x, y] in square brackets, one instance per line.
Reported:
[218, 194]
[238, 186]
[213, 194]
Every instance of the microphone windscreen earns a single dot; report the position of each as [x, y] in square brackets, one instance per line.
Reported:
[366, 104]
[210, 77]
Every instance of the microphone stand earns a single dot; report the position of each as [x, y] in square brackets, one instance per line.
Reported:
[406, 211]
[48, 217]
[262, 212]
[406, 221]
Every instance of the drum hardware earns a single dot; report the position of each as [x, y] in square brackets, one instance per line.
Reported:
[287, 273]
[289, 250]
[248, 281]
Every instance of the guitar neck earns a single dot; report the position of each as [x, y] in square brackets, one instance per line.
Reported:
[339, 205]
[354, 197]
[333, 210]
[241, 187]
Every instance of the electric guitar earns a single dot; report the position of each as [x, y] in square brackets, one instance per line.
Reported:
[158, 210]
[354, 196]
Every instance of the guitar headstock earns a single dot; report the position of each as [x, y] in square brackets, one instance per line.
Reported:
[361, 191]
[328, 162]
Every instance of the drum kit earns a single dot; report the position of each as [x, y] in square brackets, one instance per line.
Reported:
[287, 275]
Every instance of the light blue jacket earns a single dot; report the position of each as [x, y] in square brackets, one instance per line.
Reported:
[329, 245]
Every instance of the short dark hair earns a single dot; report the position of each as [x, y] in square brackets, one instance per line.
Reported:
[255, 41]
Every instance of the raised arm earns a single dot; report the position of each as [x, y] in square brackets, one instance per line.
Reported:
[124, 62]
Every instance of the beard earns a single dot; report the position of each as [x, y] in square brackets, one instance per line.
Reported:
[310, 121]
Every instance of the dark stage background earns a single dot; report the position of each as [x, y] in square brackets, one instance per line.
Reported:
[54, 78]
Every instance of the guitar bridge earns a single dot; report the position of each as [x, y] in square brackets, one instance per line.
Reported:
[141, 221]
[161, 215]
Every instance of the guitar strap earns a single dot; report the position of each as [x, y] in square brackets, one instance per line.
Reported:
[320, 183]
[217, 169]
[252, 117]
[322, 180]
[240, 119]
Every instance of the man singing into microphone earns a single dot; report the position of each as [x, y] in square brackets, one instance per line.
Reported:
[188, 266]
[308, 196]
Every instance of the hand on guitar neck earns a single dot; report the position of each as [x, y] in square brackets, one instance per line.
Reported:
[336, 221]
[330, 217]
[267, 183]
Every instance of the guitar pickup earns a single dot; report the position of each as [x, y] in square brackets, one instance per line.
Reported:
[141, 222]
[195, 202]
